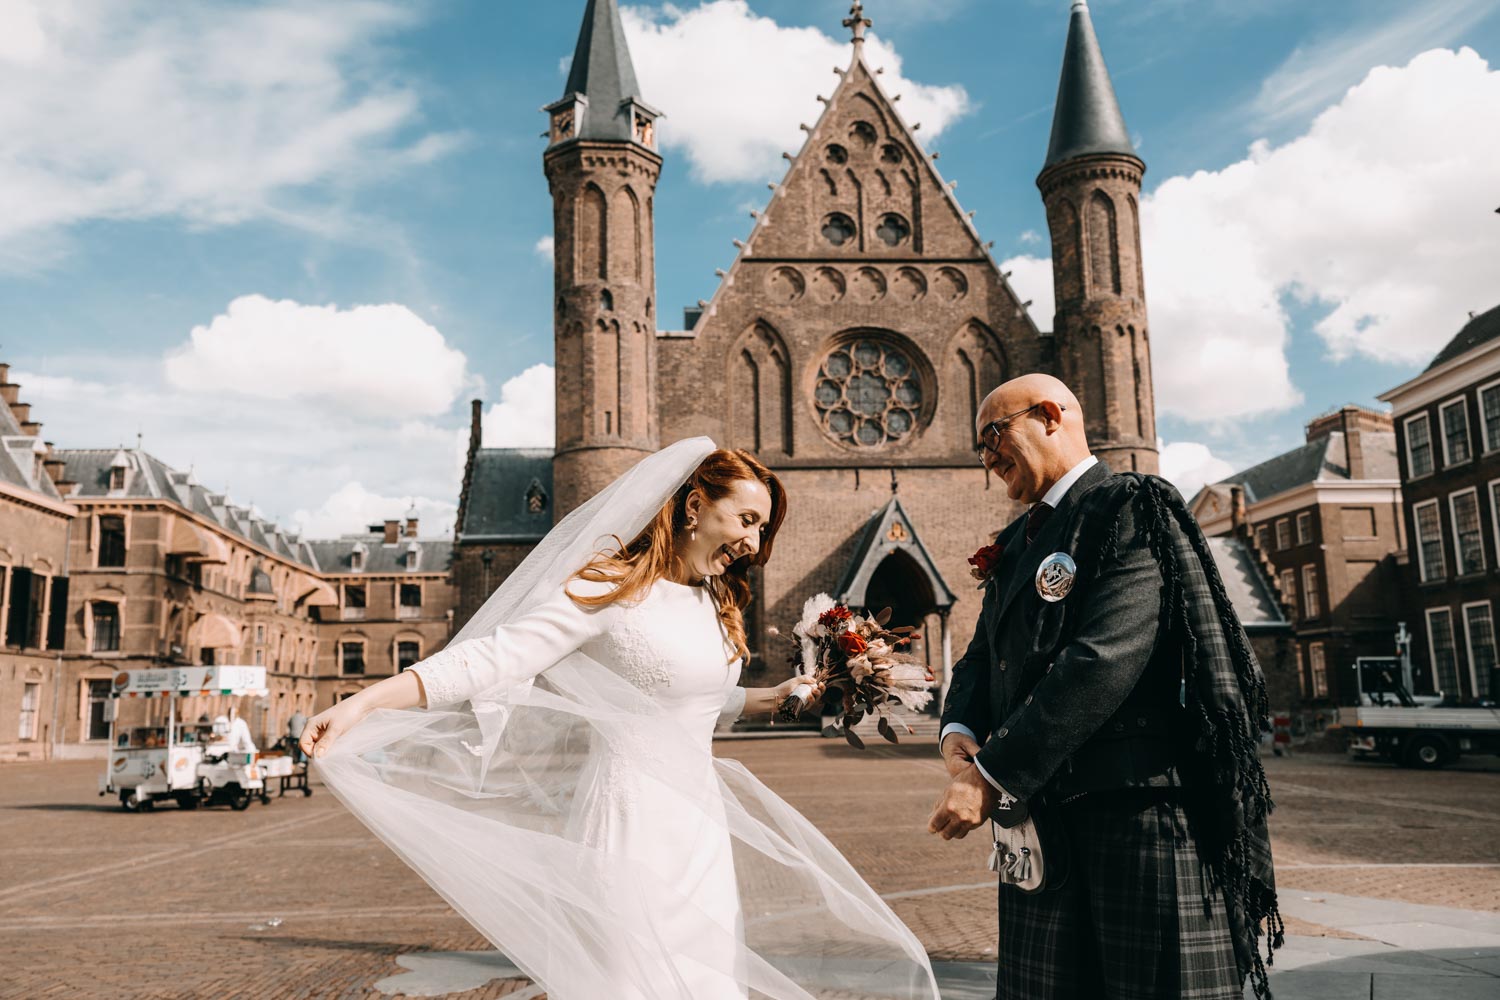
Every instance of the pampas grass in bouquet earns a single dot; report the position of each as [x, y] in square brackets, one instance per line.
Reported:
[857, 656]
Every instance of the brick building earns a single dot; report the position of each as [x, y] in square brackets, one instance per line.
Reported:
[1448, 431]
[395, 605]
[34, 524]
[848, 345]
[1327, 518]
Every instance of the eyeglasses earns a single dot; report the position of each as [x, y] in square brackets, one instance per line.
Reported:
[991, 433]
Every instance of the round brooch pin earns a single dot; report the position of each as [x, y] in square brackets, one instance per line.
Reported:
[1055, 576]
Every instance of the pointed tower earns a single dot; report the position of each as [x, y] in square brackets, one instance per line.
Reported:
[601, 165]
[1091, 185]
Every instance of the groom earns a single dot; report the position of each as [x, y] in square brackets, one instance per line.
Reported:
[1123, 714]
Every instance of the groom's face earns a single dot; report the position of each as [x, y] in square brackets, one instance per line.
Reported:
[1019, 447]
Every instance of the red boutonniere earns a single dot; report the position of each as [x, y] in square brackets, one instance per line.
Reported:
[982, 563]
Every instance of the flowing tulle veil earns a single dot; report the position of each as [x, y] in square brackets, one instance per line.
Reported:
[484, 803]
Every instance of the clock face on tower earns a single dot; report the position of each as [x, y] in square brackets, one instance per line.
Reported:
[869, 393]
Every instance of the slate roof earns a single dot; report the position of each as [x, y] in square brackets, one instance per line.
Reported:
[148, 477]
[379, 559]
[1087, 117]
[1252, 594]
[497, 507]
[1479, 330]
[18, 463]
[602, 71]
[1320, 460]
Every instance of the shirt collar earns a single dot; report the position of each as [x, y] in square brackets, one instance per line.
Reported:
[1062, 486]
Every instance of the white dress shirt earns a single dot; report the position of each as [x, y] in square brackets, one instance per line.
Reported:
[1052, 498]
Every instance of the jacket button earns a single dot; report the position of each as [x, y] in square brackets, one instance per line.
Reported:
[1119, 727]
[1140, 721]
[1003, 732]
[1003, 665]
[1028, 699]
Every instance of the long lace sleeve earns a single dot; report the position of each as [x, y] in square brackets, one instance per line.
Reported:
[516, 651]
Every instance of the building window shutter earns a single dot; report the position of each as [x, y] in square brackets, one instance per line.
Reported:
[20, 607]
[57, 621]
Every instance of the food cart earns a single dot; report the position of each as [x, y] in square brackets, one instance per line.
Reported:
[178, 761]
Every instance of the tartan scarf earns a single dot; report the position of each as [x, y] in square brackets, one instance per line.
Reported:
[1224, 695]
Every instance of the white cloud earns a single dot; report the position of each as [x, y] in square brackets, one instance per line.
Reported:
[1189, 465]
[544, 248]
[352, 507]
[525, 415]
[1031, 277]
[124, 109]
[380, 360]
[1381, 215]
[1031, 236]
[698, 65]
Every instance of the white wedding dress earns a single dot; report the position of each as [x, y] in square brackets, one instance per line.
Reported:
[672, 647]
[561, 793]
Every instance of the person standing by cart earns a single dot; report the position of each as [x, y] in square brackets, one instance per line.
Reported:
[294, 727]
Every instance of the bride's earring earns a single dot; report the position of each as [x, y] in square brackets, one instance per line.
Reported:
[692, 531]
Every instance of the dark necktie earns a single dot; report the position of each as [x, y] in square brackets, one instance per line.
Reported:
[1035, 518]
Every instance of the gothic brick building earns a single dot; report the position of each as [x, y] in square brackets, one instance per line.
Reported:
[849, 345]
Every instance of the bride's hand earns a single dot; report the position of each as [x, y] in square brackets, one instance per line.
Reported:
[331, 723]
[784, 690]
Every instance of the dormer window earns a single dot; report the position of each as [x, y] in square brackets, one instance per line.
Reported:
[645, 130]
[357, 558]
[565, 117]
[536, 498]
[642, 118]
[117, 478]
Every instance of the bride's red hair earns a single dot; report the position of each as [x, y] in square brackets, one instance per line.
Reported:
[634, 568]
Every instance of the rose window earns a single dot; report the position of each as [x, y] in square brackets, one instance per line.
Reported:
[867, 394]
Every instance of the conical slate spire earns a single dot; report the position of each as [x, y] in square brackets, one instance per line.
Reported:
[603, 73]
[1087, 119]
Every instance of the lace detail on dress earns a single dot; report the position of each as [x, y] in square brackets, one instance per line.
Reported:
[639, 661]
[444, 674]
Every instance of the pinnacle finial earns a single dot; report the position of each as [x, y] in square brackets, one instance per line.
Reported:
[856, 22]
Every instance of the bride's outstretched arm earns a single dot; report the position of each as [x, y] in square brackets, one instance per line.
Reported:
[765, 701]
[513, 654]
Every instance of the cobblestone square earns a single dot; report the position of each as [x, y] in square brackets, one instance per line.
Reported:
[296, 900]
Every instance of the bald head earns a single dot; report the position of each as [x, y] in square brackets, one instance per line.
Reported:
[1033, 429]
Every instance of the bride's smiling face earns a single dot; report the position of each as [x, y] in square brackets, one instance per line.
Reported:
[726, 530]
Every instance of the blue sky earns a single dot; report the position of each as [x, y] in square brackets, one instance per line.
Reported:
[287, 242]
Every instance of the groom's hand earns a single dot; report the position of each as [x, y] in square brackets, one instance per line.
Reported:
[958, 752]
[966, 803]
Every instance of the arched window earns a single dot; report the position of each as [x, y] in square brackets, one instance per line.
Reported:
[1104, 244]
[106, 615]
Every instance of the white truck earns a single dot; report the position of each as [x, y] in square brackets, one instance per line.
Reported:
[1425, 733]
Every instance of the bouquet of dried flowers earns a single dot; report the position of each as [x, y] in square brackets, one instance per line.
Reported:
[860, 658]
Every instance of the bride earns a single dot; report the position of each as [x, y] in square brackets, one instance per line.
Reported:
[559, 789]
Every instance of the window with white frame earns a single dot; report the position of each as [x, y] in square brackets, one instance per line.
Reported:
[1263, 535]
[1429, 541]
[99, 699]
[1457, 448]
[1283, 534]
[1289, 588]
[1468, 541]
[407, 654]
[1319, 670]
[31, 699]
[1441, 649]
[1418, 446]
[1489, 415]
[1304, 528]
[1311, 600]
[106, 617]
[1479, 630]
[352, 657]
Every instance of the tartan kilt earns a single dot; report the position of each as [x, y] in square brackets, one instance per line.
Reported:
[1136, 918]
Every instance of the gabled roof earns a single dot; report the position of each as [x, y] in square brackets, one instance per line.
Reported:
[498, 506]
[335, 555]
[771, 238]
[1479, 330]
[1087, 119]
[603, 73]
[888, 531]
[1254, 596]
[1320, 460]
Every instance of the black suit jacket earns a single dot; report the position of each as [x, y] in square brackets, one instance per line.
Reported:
[1074, 693]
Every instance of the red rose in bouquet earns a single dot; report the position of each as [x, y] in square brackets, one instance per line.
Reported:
[835, 616]
[983, 562]
[852, 644]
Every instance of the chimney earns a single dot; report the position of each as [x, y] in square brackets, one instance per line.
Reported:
[21, 411]
[1237, 513]
[1354, 449]
[31, 427]
[4, 372]
[392, 532]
